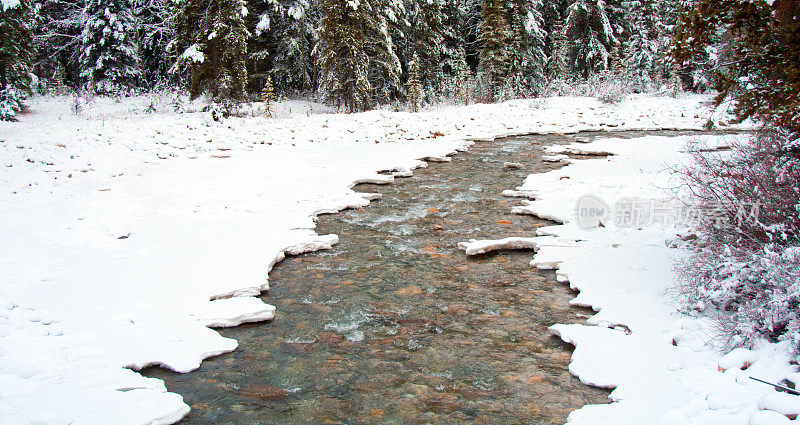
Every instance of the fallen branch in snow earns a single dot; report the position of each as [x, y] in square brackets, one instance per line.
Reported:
[778, 387]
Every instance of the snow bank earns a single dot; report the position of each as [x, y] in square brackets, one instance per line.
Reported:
[474, 247]
[126, 235]
[663, 366]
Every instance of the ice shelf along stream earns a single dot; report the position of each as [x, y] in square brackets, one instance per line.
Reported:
[396, 325]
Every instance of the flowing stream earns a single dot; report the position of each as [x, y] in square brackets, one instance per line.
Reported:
[396, 325]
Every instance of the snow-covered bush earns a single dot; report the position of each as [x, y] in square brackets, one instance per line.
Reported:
[607, 87]
[746, 267]
[10, 103]
[613, 89]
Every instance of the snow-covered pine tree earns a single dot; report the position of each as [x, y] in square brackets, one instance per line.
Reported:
[620, 18]
[494, 36]
[155, 20]
[416, 93]
[57, 38]
[57, 81]
[667, 12]
[355, 54]
[557, 67]
[696, 72]
[282, 37]
[385, 67]
[16, 55]
[292, 64]
[109, 58]
[261, 44]
[642, 47]
[453, 19]
[341, 53]
[528, 58]
[590, 37]
[211, 38]
[424, 41]
[268, 97]
[462, 79]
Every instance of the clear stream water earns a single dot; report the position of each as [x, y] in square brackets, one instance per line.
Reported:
[396, 325]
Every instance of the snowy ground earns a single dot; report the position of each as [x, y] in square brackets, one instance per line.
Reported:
[125, 235]
[664, 366]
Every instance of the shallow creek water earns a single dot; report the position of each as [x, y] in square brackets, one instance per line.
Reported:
[396, 325]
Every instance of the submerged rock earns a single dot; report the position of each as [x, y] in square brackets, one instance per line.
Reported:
[264, 392]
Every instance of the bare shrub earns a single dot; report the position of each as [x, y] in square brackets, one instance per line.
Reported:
[608, 87]
[746, 269]
[759, 173]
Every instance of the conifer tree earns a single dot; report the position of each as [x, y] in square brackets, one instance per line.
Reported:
[268, 97]
[341, 53]
[557, 63]
[762, 74]
[16, 56]
[382, 35]
[57, 80]
[495, 39]
[109, 60]
[211, 37]
[528, 59]
[281, 42]
[425, 40]
[462, 79]
[155, 20]
[590, 37]
[416, 93]
[642, 48]
[57, 38]
[453, 36]
[353, 51]
[620, 17]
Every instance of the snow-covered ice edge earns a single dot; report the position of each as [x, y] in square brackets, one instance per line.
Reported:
[663, 366]
[129, 262]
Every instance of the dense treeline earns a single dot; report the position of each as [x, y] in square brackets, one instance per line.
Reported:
[355, 53]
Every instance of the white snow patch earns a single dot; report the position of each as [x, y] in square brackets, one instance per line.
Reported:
[475, 247]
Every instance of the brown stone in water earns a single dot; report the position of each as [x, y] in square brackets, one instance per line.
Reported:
[409, 290]
[441, 402]
[561, 357]
[330, 338]
[300, 347]
[263, 392]
[417, 324]
[535, 379]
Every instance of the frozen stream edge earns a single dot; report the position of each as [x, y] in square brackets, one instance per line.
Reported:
[146, 399]
[663, 366]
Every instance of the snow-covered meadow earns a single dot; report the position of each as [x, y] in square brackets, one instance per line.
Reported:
[127, 234]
